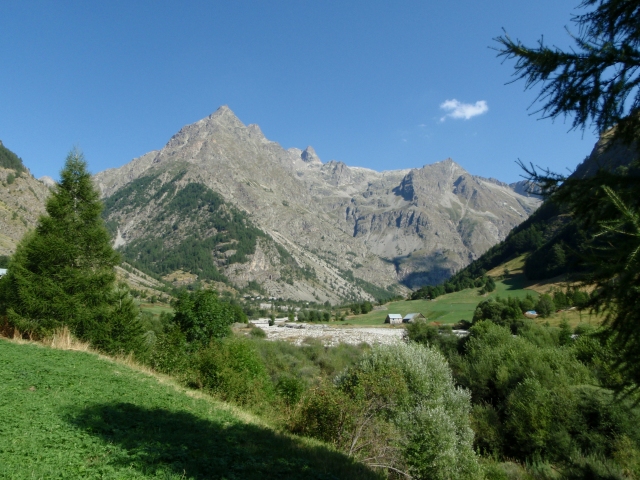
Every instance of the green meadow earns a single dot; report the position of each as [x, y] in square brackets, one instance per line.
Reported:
[67, 414]
[447, 309]
[156, 308]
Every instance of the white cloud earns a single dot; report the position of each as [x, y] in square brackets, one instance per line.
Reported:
[458, 109]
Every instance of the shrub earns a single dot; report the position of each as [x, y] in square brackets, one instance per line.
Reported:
[202, 317]
[534, 398]
[414, 389]
[290, 389]
[325, 413]
[170, 353]
[257, 332]
[233, 370]
[545, 306]
[429, 335]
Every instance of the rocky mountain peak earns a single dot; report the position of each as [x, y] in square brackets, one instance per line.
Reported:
[336, 173]
[222, 111]
[309, 155]
[48, 181]
[336, 223]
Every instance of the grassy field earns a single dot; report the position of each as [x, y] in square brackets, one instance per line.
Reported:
[156, 308]
[68, 414]
[450, 308]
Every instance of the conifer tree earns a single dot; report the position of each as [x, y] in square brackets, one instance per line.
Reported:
[598, 83]
[62, 274]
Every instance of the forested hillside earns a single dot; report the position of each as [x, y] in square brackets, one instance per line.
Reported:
[188, 227]
[551, 238]
[10, 160]
[213, 234]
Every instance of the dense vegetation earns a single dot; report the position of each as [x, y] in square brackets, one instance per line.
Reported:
[10, 160]
[192, 232]
[62, 274]
[382, 409]
[541, 397]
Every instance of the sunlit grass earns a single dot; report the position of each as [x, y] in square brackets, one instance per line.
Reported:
[70, 414]
[447, 309]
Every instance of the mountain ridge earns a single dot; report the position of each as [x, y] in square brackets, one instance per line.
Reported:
[393, 229]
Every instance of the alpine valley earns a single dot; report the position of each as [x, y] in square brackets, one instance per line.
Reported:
[220, 203]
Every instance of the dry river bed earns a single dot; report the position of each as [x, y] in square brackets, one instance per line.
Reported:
[330, 336]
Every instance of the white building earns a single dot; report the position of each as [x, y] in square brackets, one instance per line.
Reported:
[393, 318]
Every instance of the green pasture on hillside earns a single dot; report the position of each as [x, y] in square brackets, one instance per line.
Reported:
[156, 308]
[450, 308]
[71, 414]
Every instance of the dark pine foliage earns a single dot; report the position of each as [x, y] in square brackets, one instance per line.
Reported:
[10, 160]
[62, 274]
[192, 231]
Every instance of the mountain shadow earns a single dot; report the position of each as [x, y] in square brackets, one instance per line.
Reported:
[161, 442]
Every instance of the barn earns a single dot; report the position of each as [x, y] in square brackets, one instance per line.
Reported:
[412, 317]
[393, 318]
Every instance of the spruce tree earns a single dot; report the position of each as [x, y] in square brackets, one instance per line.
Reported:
[62, 274]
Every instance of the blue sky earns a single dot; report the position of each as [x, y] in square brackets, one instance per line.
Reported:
[363, 82]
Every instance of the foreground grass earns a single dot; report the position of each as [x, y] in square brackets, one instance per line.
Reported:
[66, 414]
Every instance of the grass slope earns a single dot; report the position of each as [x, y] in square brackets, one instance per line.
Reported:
[70, 414]
[450, 308]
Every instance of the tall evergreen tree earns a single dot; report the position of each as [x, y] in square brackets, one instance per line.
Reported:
[598, 83]
[62, 274]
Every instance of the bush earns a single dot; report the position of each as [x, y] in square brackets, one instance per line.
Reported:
[202, 317]
[325, 413]
[232, 369]
[429, 335]
[170, 354]
[414, 388]
[545, 306]
[290, 389]
[257, 332]
[533, 397]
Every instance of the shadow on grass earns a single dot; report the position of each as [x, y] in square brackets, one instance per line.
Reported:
[433, 276]
[160, 441]
[515, 282]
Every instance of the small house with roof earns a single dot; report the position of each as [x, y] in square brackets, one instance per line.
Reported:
[393, 318]
[413, 317]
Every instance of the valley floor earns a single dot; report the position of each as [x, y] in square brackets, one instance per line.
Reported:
[332, 336]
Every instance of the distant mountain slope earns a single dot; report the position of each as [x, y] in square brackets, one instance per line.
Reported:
[10, 160]
[22, 200]
[359, 230]
[551, 238]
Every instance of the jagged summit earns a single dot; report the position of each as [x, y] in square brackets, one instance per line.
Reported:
[222, 111]
[337, 223]
[309, 155]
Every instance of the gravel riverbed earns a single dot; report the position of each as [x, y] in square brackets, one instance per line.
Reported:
[331, 336]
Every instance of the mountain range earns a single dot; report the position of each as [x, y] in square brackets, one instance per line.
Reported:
[222, 203]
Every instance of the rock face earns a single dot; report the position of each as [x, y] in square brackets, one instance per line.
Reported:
[22, 200]
[357, 229]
